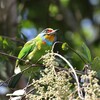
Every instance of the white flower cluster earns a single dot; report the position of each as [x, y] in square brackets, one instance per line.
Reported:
[90, 86]
[56, 83]
[49, 60]
[53, 85]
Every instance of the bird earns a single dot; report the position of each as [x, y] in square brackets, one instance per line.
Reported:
[33, 50]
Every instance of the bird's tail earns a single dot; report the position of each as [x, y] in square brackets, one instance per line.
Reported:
[14, 80]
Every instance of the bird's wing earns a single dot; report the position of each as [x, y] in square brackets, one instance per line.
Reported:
[25, 50]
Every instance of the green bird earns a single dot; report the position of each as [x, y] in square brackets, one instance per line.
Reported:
[33, 50]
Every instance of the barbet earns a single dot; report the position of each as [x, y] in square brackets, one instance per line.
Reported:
[33, 50]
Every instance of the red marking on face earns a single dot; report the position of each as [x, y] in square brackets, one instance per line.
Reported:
[48, 31]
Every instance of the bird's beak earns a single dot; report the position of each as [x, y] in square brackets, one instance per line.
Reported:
[54, 31]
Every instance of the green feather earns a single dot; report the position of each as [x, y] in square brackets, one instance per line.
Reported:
[25, 51]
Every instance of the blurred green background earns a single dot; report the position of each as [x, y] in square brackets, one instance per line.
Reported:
[78, 21]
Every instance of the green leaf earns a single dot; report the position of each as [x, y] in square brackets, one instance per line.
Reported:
[1, 39]
[65, 46]
[53, 9]
[26, 24]
[5, 43]
[3, 70]
[96, 65]
[64, 2]
[85, 53]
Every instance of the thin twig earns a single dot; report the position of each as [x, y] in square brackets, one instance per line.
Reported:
[11, 56]
[30, 91]
[12, 39]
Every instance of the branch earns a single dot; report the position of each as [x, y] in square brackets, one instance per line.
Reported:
[11, 56]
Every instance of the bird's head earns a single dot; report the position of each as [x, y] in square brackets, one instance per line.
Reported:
[48, 35]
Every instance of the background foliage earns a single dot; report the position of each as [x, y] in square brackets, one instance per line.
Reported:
[78, 21]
